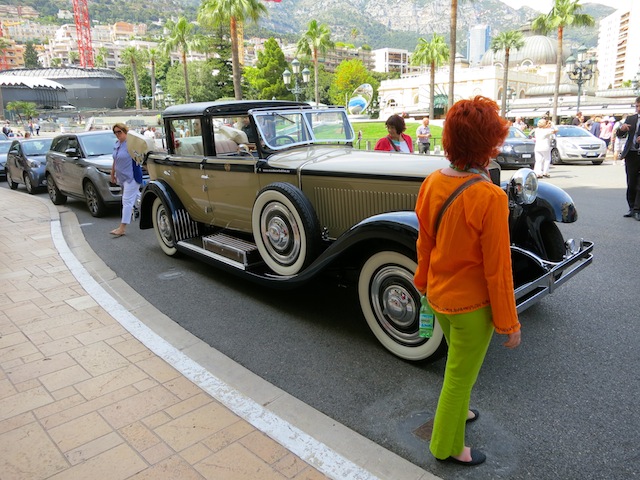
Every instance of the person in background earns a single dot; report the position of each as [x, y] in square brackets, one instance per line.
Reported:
[37, 127]
[126, 173]
[520, 124]
[606, 128]
[594, 128]
[618, 138]
[465, 270]
[578, 120]
[423, 135]
[542, 149]
[396, 140]
[631, 156]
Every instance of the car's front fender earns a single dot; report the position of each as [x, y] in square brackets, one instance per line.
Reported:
[557, 201]
[152, 190]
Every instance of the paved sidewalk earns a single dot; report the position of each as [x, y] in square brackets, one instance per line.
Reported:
[88, 390]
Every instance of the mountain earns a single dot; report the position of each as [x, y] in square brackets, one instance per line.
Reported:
[379, 23]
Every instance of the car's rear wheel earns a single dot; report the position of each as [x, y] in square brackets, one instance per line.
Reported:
[555, 157]
[96, 205]
[56, 196]
[391, 306]
[13, 185]
[163, 227]
[28, 184]
[285, 228]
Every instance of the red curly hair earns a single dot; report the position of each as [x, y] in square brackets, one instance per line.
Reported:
[473, 132]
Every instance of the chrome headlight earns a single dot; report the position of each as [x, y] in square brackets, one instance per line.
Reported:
[524, 186]
[507, 148]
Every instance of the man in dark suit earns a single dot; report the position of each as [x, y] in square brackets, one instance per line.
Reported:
[631, 155]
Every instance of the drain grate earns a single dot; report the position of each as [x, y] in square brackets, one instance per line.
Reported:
[424, 431]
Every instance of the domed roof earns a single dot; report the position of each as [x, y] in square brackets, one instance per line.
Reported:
[537, 50]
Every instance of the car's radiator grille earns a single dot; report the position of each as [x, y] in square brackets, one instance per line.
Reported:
[591, 147]
[340, 209]
[527, 148]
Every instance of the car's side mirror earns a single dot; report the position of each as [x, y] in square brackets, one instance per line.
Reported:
[71, 152]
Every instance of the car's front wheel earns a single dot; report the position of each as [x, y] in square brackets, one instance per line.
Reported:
[391, 306]
[29, 184]
[96, 205]
[163, 227]
[285, 228]
[56, 196]
[555, 157]
[12, 185]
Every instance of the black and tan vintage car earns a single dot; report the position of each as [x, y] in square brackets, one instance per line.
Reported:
[274, 191]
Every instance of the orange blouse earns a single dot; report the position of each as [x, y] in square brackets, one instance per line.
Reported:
[469, 266]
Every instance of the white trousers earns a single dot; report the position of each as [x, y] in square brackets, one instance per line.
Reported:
[130, 192]
[543, 162]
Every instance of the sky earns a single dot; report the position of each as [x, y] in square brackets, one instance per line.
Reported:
[545, 5]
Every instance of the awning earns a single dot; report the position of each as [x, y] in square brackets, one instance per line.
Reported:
[440, 100]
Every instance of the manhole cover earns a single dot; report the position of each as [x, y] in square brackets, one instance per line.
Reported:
[424, 431]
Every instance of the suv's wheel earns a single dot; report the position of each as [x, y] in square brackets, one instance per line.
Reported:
[163, 226]
[96, 205]
[55, 194]
[13, 185]
[391, 305]
[28, 184]
[285, 228]
[555, 157]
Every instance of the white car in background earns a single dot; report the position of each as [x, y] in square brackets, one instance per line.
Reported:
[575, 144]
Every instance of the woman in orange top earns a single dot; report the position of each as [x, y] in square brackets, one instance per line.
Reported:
[466, 269]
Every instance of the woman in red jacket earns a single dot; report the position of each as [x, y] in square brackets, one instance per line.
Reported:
[396, 141]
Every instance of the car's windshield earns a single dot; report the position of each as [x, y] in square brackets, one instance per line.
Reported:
[100, 144]
[515, 132]
[572, 132]
[4, 147]
[283, 128]
[36, 147]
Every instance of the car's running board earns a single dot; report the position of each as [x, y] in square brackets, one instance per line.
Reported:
[232, 251]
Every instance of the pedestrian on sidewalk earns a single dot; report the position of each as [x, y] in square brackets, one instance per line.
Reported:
[465, 269]
[126, 173]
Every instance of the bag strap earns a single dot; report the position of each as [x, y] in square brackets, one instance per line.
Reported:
[393, 145]
[453, 196]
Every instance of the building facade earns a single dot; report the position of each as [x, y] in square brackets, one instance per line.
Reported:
[619, 47]
[479, 42]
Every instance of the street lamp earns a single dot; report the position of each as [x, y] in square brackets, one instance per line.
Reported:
[581, 70]
[286, 78]
[159, 95]
[511, 96]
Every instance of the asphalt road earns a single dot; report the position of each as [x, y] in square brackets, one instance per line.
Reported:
[562, 406]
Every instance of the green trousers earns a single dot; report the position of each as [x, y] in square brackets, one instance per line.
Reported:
[468, 336]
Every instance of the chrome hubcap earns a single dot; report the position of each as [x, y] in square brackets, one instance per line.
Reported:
[281, 234]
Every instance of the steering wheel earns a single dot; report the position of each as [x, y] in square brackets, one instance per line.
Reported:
[282, 140]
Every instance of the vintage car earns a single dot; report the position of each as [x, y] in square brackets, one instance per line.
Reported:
[301, 200]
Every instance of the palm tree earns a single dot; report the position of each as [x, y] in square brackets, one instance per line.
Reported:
[234, 13]
[153, 54]
[564, 13]
[506, 41]
[133, 57]
[452, 49]
[434, 53]
[317, 39]
[28, 109]
[180, 37]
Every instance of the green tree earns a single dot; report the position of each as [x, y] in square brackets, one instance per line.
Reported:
[316, 40]
[233, 13]
[131, 97]
[153, 54]
[56, 62]
[101, 57]
[265, 79]
[349, 75]
[74, 57]
[434, 53]
[28, 109]
[506, 41]
[564, 13]
[134, 58]
[31, 56]
[180, 38]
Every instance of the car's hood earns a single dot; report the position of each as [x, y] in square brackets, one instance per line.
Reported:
[519, 141]
[347, 160]
[581, 140]
[102, 161]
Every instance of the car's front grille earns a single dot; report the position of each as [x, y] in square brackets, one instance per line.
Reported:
[591, 147]
[340, 209]
[526, 148]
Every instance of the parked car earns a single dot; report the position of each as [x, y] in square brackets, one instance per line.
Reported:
[301, 201]
[577, 144]
[3, 136]
[25, 163]
[517, 150]
[79, 165]
[4, 148]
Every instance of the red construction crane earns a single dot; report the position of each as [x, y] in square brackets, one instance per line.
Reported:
[83, 32]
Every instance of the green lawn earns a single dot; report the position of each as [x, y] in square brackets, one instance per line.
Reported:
[373, 131]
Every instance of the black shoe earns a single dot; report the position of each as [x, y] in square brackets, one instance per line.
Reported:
[636, 215]
[628, 214]
[477, 457]
[476, 415]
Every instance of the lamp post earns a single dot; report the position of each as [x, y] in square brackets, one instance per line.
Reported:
[286, 78]
[159, 95]
[511, 96]
[581, 70]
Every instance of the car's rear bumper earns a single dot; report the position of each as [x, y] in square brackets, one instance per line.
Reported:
[555, 274]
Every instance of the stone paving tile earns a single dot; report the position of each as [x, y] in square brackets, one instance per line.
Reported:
[171, 468]
[118, 463]
[79, 431]
[137, 406]
[98, 358]
[23, 402]
[236, 462]
[93, 448]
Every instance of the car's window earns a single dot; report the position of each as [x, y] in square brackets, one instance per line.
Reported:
[280, 129]
[94, 145]
[15, 148]
[187, 137]
[4, 147]
[516, 133]
[572, 132]
[36, 147]
[60, 144]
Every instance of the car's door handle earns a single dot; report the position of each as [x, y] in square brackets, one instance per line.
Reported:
[204, 177]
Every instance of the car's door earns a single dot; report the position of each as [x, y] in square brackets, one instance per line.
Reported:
[56, 159]
[14, 164]
[73, 166]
